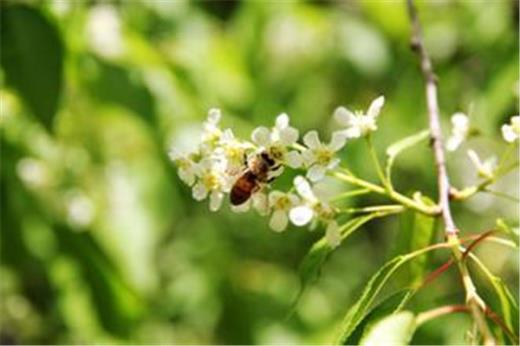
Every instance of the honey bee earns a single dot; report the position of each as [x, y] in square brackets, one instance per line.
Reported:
[257, 173]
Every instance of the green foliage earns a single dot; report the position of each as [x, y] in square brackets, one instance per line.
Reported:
[395, 329]
[32, 59]
[102, 243]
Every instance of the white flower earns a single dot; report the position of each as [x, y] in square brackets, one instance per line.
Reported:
[511, 132]
[358, 123]
[281, 203]
[211, 180]
[232, 151]
[258, 201]
[104, 31]
[320, 157]
[485, 169]
[80, 209]
[211, 132]
[311, 207]
[186, 167]
[277, 141]
[459, 131]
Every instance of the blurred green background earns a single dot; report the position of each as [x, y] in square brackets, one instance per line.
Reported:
[100, 240]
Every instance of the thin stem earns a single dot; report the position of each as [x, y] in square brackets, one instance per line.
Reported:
[407, 202]
[376, 162]
[348, 194]
[437, 312]
[473, 301]
[375, 208]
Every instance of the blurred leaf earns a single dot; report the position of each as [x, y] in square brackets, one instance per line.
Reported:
[32, 59]
[117, 306]
[389, 305]
[116, 84]
[396, 329]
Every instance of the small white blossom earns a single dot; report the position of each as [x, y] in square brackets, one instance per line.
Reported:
[80, 209]
[281, 203]
[32, 172]
[358, 123]
[320, 157]
[211, 180]
[459, 131]
[277, 141]
[485, 169]
[104, 31]
[232, 151]
[211, 132]
[511, 131]
[311, 205]
[186, 167]
[258, 201]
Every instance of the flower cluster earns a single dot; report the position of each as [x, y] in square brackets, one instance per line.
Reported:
[220, 161]
[223, 164]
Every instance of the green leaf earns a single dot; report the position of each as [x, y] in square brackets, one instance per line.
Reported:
[312, 262]
[511, 233]
[417, 231]
[358, 312]
[32, 59]
[387, 306]
[396, 329]
[405, 143]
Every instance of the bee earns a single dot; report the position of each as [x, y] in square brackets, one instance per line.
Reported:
[258, 172]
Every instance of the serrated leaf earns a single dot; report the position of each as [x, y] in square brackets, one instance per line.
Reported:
[396, 329]
[387, 306]
[32, 59]
[356, 314]
[405, 143]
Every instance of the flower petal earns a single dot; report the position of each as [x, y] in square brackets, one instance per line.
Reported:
[375, 107]
[344, 117]
[312, 140]
[474, 159]
[242, 208]
[293, 159]
[274, 196]
[278, 221]
[199, 192]
[453, 143]
[288, 136]
[338, 140]
[304, 188]
[301, 215]
[309, 157]
[261, 136]
[260, 203]
[508, 133]
[332, 234]
[282, 121]
[214, 116]
[215, 200]
[459, 120]
[316, 173]
[186, 175]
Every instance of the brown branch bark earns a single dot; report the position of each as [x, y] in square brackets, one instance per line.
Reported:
[474, 303]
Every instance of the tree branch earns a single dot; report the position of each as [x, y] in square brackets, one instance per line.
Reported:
[475, 304]
[433, 115]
